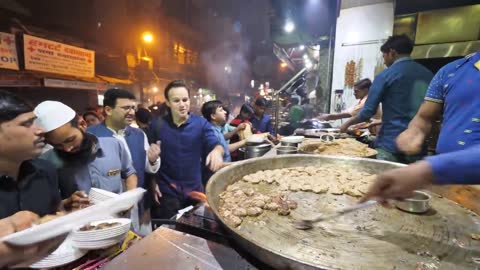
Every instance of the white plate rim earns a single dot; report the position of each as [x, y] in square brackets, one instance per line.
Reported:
[67, 223]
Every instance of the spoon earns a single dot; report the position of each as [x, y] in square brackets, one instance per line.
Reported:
[306, 224]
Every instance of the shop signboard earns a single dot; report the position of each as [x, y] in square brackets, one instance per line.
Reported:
[57, 83]
[8, 51]
[54, 57]
[19, 80]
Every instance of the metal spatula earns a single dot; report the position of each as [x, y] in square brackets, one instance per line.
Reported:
[307, 224]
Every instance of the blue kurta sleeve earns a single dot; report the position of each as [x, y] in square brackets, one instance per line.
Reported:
[458, 168]
[374, 98]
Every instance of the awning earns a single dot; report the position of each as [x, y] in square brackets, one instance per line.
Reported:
[23, 78]
[10, 78]
[83, 85]
[112, 80]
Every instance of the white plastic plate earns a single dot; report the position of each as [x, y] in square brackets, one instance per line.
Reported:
[67, 223]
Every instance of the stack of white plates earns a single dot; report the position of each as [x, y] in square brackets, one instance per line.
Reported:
[67, 223]
[99, 195]
[64, 254]
[103, 238]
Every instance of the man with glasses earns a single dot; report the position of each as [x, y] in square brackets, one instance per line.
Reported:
[119, 108]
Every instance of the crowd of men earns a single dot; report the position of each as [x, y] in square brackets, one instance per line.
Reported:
[173, 155]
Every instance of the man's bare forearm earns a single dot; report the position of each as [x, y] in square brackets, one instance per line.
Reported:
[131, 182]
[426, 115]
[234, 146]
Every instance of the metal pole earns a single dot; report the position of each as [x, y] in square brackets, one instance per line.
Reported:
[277, 96]
[329, 82]
[277, 113]
[285, 86]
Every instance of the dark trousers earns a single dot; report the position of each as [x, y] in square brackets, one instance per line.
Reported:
[169, 206]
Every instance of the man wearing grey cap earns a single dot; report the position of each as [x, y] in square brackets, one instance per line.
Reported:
[83, 161]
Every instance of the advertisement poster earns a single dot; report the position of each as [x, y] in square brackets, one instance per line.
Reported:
[8, 52]
[54, 57]
[357, 49]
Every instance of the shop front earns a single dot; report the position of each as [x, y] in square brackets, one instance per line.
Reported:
[49, 70]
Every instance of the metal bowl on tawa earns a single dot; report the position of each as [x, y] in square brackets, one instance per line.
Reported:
[258, 150]
[375, 238]
[417, 204]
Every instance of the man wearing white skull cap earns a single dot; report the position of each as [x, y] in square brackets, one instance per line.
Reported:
[83, 161]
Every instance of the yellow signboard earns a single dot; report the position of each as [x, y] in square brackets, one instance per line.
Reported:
[54, 57]
[8, 52]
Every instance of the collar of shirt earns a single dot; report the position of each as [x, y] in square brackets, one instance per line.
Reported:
[401, 59]
[169, 119]
[120, 135]
[219, 128]
[475, 59]
[120, 132]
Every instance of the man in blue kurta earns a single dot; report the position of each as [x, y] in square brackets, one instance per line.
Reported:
[453, 96]
[401, 89]
[185, 139]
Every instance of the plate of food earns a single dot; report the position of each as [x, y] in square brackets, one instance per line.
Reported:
[103, 227]
[102, 230]
[338, 147]
[65, 224]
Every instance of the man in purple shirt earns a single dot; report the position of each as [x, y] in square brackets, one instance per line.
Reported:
[456, 168]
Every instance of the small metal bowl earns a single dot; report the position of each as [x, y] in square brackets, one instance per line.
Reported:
[418, 203]
[285, 150]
